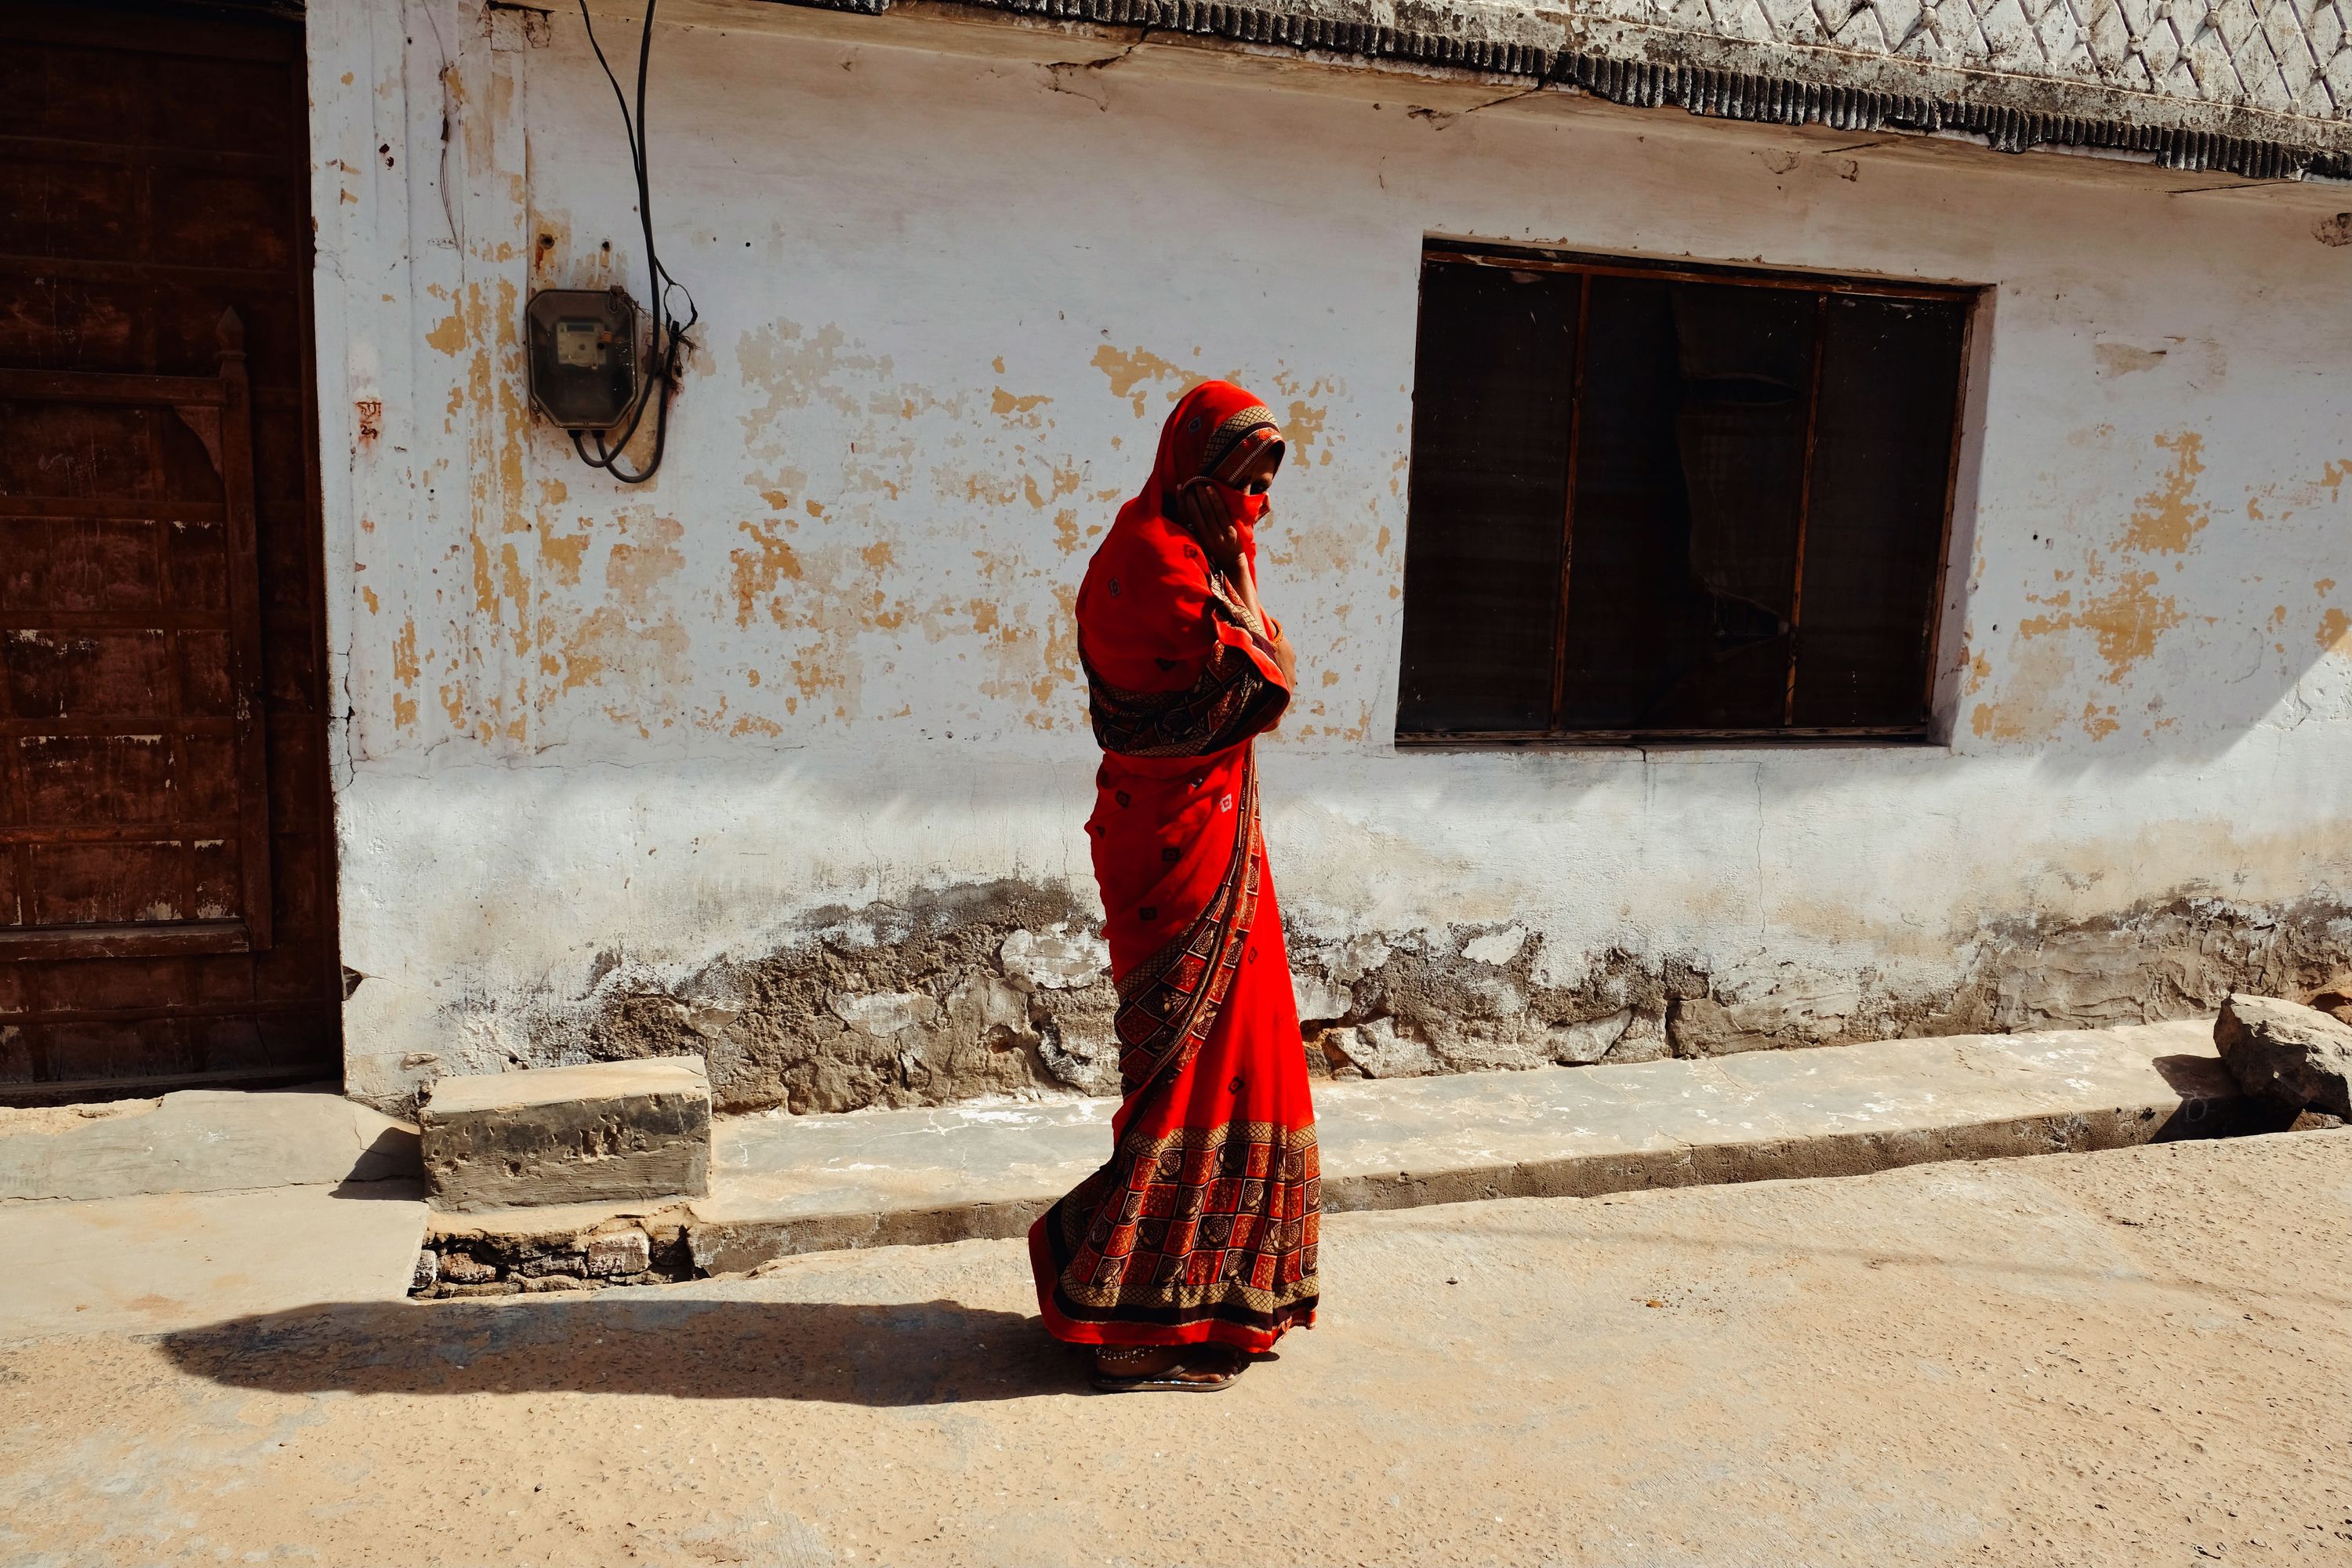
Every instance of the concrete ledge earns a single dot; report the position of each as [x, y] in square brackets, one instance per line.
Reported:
[1766, 1116]
[603, 1132]
[785, 1185]
[200, 1141]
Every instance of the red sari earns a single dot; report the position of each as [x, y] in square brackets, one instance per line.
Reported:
[1202, 1226]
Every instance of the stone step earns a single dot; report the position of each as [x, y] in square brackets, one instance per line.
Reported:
[620, 1132]
[783, 1185]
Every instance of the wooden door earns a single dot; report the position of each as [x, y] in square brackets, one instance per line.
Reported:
[166, 877]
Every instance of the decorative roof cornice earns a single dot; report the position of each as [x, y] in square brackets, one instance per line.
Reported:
[2189, 84]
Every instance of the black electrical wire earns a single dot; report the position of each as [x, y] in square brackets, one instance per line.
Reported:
[664, 362]
[669, 341]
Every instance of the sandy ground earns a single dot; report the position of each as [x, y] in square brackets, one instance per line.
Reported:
[165, 1261]
[2134, 1358]
[54, 1119]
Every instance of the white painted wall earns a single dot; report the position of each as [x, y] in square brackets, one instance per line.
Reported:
[947, 299]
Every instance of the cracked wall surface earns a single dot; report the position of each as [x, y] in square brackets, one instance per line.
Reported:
[782, 758]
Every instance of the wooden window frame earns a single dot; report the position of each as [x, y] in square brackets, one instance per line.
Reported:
[1971, 297]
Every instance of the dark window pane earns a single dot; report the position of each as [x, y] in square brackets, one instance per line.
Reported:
[1882, 466]
[1688, 473]
[1493, 375]
[1753, 506]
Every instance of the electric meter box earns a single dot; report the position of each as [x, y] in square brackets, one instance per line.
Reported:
[582, 350]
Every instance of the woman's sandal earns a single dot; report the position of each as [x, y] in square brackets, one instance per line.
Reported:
[1168, 1369]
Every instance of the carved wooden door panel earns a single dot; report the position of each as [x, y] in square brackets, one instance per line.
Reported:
[131, 756]
[166, 909]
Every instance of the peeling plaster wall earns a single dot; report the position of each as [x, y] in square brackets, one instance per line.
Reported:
[783, 757]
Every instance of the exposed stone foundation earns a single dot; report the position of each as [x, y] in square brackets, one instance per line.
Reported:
[645, 1250]
[1385, 1010]
[1004, 989]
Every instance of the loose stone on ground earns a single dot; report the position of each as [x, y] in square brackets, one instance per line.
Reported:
[2295, 1057]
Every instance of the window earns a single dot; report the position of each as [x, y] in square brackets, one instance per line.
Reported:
[1671, 502]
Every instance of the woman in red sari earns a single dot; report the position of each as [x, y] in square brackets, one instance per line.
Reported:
[1195, 1247]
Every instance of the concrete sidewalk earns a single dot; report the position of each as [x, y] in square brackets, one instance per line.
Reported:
[200, 1141]
[784, 1185]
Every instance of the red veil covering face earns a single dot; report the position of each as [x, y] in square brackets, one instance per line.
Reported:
[1203, 1224]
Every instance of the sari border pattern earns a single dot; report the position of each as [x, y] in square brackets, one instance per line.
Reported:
[1216, 1224]
[1227, 705]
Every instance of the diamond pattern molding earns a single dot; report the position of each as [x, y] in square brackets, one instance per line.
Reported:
[2259, 89]
[2289, 58]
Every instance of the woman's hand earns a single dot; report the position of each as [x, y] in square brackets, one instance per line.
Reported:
[1221, 536]
[1201, 511]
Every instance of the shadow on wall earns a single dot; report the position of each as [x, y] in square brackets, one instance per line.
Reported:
[901, 1353]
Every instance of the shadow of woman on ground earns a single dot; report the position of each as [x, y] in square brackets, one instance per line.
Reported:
[639, 1342]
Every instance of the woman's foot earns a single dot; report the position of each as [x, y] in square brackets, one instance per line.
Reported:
[1175, 1369]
